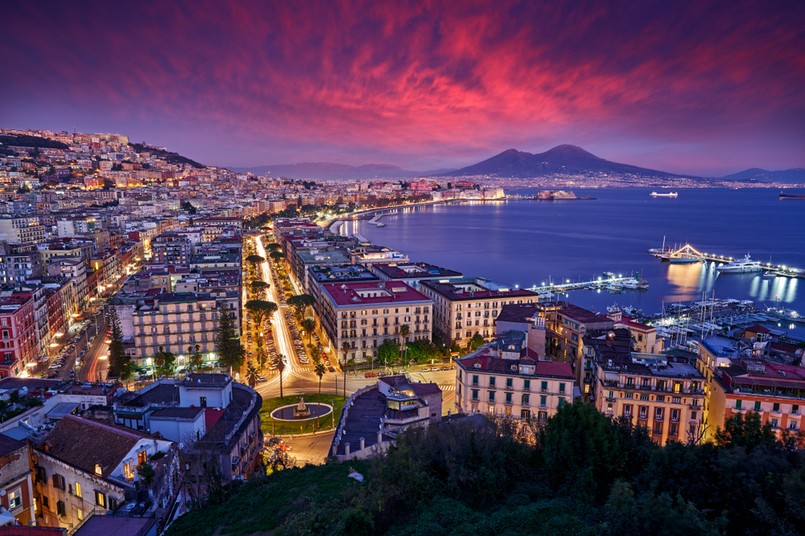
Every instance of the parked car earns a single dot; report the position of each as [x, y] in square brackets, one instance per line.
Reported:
[370, 375]
[331, 369]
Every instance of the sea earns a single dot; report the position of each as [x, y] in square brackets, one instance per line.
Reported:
[526, 242]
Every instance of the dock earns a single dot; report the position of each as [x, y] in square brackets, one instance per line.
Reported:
[689, 252]
[608, 281]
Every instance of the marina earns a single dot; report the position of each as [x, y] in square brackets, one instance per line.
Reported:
[609, 281]
[689, 254]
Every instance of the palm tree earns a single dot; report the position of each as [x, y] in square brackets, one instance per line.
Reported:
[405, 329]
[309, 324]
[251, 374]
[281, 368]
[346, 347]
[319, 370]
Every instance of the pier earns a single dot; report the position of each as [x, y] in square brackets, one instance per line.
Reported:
[609, 282]
[691, 254]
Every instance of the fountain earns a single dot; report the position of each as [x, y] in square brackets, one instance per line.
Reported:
[301, 411]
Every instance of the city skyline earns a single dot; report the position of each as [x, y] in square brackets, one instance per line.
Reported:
[685, 88]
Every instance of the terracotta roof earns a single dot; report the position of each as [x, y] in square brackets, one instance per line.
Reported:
[517, 312]
[498, 365]
[84, 443]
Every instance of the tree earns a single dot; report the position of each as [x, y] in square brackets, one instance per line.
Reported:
[476, 342]
[259, 286]
[405, 329]
[346, 348]
[300, 302]
[273, 246]
[319, 370]
[260, 311]
[388, 351]
[195, 358]
[120, 364]
[276, 255]
[748, 432]
[255, 259]
[309, 324]
[251, 374]
[281, 368]
[146, 473]
[230, 351]
[165, 362]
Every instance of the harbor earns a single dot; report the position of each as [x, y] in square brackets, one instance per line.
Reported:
[688, 254]
[609, 282]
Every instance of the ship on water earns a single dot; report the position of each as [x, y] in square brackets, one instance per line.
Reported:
[742, 266]
[669, 194]
[784, 195]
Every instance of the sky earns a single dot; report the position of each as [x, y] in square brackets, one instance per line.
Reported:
[691, 87]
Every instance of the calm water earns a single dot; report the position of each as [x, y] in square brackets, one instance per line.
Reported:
[529, 242]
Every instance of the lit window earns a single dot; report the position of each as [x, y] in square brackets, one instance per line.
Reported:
[14, 499]
[100, 499]
[98, 470]
[78, 489]
[127, 472]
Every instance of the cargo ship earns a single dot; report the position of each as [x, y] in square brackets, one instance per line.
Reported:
[784, 195]
[669, 194]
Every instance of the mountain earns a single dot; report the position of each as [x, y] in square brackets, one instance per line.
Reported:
[329, 170]
[560, 159]
[796, 175]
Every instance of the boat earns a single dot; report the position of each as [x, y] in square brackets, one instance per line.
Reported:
[742, 266]
[684, 259]
[784, 195]
[669, 194]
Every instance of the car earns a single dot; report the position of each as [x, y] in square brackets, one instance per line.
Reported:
[331, 369]
[370, 375]
[53, 373]
[262, 379]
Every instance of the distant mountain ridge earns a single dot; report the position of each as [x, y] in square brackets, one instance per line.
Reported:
[560, 159]
[796, 175]
[330, 170]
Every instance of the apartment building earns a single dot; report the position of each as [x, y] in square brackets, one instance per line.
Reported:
[467, 306]
[16, 485]
[505, 381]
[21, 230]
[736, 385]
[412, 273]
[364, 314]
[178, 323]
[567, 326]
[215, 418]
[665, 397]
[172, 248]
[18, 332]
[84, 466]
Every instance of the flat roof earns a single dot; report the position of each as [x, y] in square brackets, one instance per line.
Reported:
[372, 293]
[414, 270]
[467, 289]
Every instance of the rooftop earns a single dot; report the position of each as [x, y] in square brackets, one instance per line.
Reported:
[468, 288]
[517, 312]
[414, 270]
[372, 293]
[497, 365]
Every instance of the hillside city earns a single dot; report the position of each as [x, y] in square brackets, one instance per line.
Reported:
[171, 330]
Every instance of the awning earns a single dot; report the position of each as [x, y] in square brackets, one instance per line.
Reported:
[7, 518]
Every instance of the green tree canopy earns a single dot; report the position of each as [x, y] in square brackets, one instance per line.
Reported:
[120, 365]
[261, 310]
[388, 352]
[300, 302]
[230, 351]
[255, 259]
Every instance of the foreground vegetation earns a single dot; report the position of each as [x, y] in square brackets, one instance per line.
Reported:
[275, 427]
[582, 474]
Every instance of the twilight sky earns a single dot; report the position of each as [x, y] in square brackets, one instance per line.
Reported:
[689, 87]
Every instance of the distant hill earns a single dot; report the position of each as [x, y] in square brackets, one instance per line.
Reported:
[560, 159]
[796, 175]
[333, 171]
[168, 156]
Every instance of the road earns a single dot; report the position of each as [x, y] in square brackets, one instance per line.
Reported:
[94, 367]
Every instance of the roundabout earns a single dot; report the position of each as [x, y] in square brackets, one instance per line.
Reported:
[301, 411]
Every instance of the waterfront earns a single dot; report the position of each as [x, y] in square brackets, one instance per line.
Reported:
[530, 242]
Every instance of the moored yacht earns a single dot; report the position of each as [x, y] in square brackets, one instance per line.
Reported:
[740, 266]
